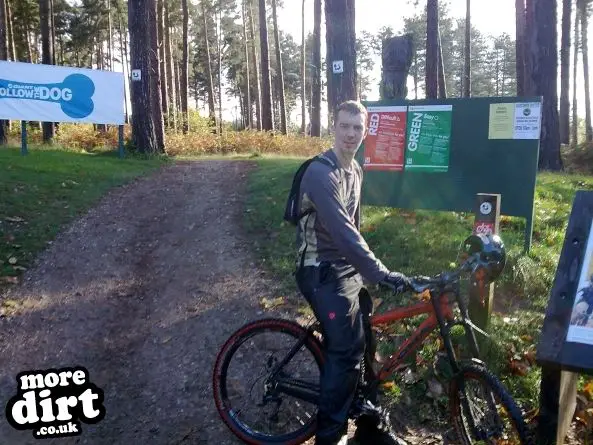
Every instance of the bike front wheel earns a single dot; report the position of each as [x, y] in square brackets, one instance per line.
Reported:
[253, 404]
[482, 410]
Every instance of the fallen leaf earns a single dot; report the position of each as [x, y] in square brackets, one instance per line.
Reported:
[519, 368]
[389, 385]
[166, 340]
[269, 303]
[435, 387]
[12, 260]
[588, 388]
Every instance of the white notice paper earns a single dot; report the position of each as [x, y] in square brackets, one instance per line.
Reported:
[527, 123]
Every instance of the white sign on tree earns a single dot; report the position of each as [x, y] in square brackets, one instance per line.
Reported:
[338, 66]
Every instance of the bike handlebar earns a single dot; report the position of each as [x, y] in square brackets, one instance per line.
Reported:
[420, 284]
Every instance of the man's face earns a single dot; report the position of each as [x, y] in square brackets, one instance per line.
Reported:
[350, 129]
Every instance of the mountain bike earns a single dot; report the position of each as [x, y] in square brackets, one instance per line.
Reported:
[274, 366]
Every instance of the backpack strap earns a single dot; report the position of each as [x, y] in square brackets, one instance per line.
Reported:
[324, 160]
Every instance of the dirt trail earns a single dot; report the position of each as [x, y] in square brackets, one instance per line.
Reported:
[142, 291]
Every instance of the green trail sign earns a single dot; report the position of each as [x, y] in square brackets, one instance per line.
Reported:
[428, 138]
[439, 154]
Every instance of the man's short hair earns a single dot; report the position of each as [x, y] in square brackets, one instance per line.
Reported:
[352, 107]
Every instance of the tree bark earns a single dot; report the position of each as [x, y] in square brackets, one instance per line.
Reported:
[575, 120]
[280, 70]
[530, 48]
[163, 62]
[520, 45]
[171, 70]
[47, 51]
[248, 113]
[124, 61]
[441, 68]
[565, 72]
[218, 39]
[341, 45]
[544, 60]
[256, 66]
[52, 27]
[467, 79]
[155, 76]
[11, 54]
[185, 67]
[110, 37]
[303, 73]
[3, 56]
[584, 52]
[143, 130]
[316, 79]
[432, 48]
[266, 108]
[211, 105]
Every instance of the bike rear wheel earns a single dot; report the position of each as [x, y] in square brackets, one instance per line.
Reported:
[482, 410]
[254, 407]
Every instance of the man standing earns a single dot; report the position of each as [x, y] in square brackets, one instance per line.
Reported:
[333, 260]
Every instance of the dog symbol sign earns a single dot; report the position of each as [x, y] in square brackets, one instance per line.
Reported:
[136, 75]
[338, 66]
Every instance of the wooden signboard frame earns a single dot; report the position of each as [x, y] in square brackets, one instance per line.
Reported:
[565, 348]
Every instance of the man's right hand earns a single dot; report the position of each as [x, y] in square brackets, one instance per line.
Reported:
[397, 281]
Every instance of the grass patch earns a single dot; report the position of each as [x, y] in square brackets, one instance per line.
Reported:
[427, 242]
[48, 188]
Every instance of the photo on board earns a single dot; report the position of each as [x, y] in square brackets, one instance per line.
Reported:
[581, 320]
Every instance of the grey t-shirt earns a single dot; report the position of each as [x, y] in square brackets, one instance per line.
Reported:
[332, 231]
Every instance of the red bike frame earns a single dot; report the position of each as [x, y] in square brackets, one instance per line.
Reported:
[418, 336]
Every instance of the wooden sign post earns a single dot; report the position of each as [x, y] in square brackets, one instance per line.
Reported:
[565, 347]
[481, 296]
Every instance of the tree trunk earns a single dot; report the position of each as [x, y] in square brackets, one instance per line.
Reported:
[11, 54]
[218, 39]
[467, 80]
[163, 62]
[341, 46]
[52, 27]
[396, 60]
[565, 72]
[303, 73]
[143, 131]
[584, 51]
[211, 105]
[155, 77]
[248, 115]
[110, 37]
[575, 121]
[3, 56]
[256, 65]
[441, 68]
[47, 56]
[124, 57]
[544, 60]
[171, 70]
[280, 70]
[432, 48]
[520, 45]
[266, 106]
[185, 67]
[316, 79]
[530, 48]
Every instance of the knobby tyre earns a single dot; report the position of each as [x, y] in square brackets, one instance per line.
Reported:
[496, 415]
[255, 412]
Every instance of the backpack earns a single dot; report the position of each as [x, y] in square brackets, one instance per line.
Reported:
[291, 212]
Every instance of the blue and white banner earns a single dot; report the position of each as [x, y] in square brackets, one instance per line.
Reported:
[49, 93]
